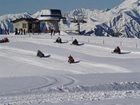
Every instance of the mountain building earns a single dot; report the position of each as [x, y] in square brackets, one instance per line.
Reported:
[29, 25]
[49, 19]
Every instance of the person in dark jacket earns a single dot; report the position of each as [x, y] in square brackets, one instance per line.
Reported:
[117, 50]
[75, 42]
[40, 54]
[4, 40]
[16, 31]
[59, 40]
[71, 59]
[52, 31]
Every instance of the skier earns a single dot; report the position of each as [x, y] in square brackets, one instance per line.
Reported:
[70, 59]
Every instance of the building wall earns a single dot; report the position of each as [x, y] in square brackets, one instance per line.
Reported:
[47, 25]
[35, 27]
[19, 25]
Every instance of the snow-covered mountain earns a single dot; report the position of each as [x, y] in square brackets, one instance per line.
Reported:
[122, 20]
[126, 18]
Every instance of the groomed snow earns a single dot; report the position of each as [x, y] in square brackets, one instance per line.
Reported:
[98, 79]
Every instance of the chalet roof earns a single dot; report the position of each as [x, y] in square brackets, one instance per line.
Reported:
[49, 12]
[26, 19]
[48, 17]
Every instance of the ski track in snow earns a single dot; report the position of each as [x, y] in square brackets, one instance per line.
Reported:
[51, 82]
[56, 82]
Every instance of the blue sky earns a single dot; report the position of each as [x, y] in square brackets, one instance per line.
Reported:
[31, 6]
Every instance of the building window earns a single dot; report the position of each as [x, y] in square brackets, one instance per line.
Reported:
[24, 25]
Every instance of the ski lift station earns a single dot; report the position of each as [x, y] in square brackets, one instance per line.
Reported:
[49, 19]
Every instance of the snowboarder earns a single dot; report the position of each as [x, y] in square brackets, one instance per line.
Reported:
[117, 50]
[59, 40]
[70, 59]
[75, 42]
[40, 54]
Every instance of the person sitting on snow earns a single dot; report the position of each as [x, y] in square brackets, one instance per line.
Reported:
[117, 50]
[59, 40]
[40, 54]
[4, 40]
[75, 42]
[70, 59]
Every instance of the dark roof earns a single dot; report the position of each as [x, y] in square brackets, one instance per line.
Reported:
[26, 19]
[80, 21]
[56, 13]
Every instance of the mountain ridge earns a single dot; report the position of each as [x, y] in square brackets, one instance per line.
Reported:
[121, 21]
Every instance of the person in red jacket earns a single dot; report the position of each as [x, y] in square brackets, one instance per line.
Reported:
[70, 59]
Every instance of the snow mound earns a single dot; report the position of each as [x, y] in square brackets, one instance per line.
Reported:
[76, 96]
[122, 86]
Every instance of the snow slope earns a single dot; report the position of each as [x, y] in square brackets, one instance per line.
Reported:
[98, 79]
